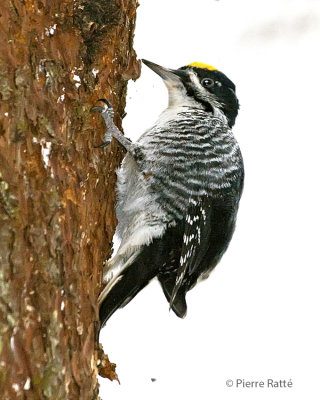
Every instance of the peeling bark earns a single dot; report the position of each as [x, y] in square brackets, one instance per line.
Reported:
[56, 190]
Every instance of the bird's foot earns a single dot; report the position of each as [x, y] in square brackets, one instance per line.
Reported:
[113, 132]
[107, 113]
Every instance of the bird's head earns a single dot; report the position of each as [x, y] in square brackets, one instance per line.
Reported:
[201, 85]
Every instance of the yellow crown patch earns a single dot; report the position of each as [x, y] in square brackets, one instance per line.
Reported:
[202, 65]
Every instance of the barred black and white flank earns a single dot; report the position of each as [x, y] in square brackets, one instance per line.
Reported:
[178, 190]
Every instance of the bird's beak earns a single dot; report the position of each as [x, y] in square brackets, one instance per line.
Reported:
[168, 75]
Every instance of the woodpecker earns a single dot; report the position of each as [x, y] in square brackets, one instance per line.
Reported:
[178, 190]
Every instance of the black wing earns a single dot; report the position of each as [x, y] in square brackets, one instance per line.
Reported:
[206, 231]
[194, 241]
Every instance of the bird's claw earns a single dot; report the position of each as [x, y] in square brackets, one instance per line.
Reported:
[107, 102]
[107, 141]
[97, 108]
[105, 109]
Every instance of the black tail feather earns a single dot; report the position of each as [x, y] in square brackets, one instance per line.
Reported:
[133, 279]
[179, 305]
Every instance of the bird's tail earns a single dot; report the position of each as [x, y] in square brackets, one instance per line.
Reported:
[126, 283]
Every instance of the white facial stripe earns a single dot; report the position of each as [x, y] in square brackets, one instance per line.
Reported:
[178, 94]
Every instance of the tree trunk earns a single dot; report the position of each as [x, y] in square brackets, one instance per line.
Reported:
[56, 190]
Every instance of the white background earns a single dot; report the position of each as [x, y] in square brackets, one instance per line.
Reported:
[257, 316]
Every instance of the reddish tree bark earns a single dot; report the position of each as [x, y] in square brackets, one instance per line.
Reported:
[56, 190]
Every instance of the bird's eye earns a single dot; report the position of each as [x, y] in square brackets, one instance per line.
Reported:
[206, 82]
